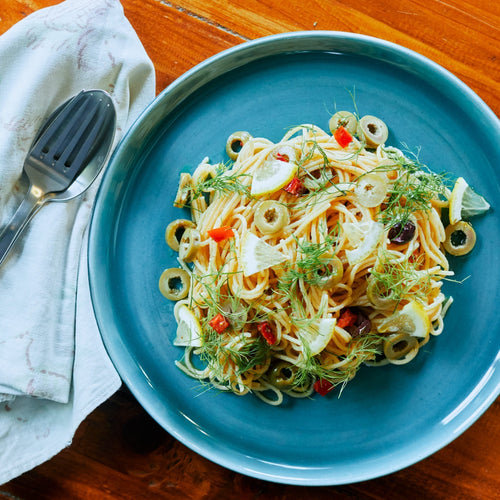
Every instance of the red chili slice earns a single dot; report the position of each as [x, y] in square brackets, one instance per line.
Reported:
[221, 233]
[219, 323]
[322, 386]
[342, 136]
[295, 187]
[347, 318]
[282, 157]
[265, 330]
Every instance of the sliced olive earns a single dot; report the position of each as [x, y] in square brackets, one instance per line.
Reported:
[334, 274]
[402, 233]
[371, 189]
[271, 216]
[189, 244]
[380, 298]
[343, 119]
[460, 238]
[235, 142]
[175, 230]
[374, 131]
[400, 348]
[282, 375]
[183, 191]
[174, 283]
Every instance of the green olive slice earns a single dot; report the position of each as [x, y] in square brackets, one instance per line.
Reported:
[334, 275]
[174, 283]
[343, 119]
[184, 190]
[374, 130]
[400, 348]
[235, 142]
[371, 189]
[460, 238]
[189, 244]
[271, 216]
[381, 299]
[282, 375]
[175, 230]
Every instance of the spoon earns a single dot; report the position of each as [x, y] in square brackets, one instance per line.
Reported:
[65, 158]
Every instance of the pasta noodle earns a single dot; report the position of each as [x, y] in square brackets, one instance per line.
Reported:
[352, 275]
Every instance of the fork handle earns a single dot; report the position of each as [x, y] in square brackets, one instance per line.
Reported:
[31, 203]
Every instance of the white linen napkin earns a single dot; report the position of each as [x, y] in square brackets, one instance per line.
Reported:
[54, 369]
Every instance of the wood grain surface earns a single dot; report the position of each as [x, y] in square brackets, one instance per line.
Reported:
[119, 451]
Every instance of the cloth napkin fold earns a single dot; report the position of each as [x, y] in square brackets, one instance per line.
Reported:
[54, 369]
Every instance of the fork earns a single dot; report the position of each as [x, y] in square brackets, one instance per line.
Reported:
[65, 157]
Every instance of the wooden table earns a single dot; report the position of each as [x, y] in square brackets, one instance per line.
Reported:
[119, 451]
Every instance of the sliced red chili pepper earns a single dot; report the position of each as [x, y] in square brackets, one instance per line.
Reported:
[282, 157]
[219, 323]
[322, 386]
[346, 318]
[265, 330]
[342, 136]
[295, 187]
[221, 233]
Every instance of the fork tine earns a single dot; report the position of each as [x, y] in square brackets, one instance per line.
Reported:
[86, 115]
[85, 148]
[69, 111]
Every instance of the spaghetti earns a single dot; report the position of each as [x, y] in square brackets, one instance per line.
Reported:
[308, 258]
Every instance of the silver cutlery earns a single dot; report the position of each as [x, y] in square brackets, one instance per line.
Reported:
[65, 158]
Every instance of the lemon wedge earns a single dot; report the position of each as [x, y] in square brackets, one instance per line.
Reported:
[256, 255]
[316, 337]
[365, 236]
[189, 330]
[464, 202]
[274, 173]
[412, 320]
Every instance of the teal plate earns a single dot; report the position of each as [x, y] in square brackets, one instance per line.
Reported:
[387, 418]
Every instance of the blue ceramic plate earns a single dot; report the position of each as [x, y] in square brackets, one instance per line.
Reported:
[387, 418]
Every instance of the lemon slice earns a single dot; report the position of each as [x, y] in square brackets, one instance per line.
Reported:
[316, 337]
[464, 202]
[256, 255]
[273, 175]
[365, 236]
[412, 320]
[188, 328]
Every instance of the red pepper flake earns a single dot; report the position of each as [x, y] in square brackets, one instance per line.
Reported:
[221, 233]
[219, 323]
[342, 136]
[282, 157]
[322, 386]
[347, 318]
[265, 330]
[295, 187]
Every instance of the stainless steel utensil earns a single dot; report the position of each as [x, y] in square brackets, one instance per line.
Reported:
[65, 157]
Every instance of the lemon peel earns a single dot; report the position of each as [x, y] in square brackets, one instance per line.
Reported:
[465, 202]
[257, 255]
[411, 319]
[365, 236]
[274, 173]
[189, 329]
[316, 337]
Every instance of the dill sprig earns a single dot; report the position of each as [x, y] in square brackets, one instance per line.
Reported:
[224, 181]
[312, 261]
[400, 279]
[224, 353]
[414, 188]
[359, 350]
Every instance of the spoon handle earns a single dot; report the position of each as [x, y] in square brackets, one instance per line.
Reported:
[28, 207]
